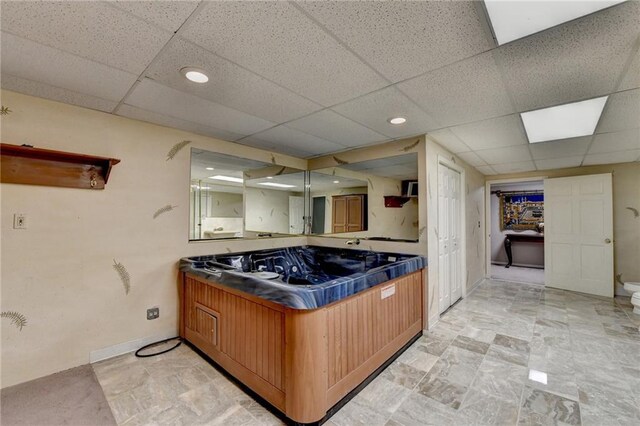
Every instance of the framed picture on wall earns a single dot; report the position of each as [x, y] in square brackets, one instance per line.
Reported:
[521, 210]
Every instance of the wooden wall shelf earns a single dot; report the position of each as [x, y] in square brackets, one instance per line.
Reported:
[35, 166]
[395, 201]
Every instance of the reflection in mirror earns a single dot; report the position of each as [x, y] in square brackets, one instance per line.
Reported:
[216, 195]
[275, 200]
[375, 199]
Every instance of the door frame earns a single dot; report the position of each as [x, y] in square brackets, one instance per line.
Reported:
[446, 162]
[487, 214]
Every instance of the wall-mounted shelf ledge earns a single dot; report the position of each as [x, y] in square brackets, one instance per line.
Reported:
[35, 166]
[395, 201]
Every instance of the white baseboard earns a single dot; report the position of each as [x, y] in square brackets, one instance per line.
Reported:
[521, 265]
[473, 286]
[126, 347]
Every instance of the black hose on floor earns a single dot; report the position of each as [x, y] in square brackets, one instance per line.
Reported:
[157, 343]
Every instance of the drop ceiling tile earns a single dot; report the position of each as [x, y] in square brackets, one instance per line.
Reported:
[271, 146]
[486, 170]
[517, 167]
[612, 157]
[176, 123]
[154, 97]
[228, 84]
[615, 141]
[404, 39]
[631, 79]
[373, 110]
[472, 158]
[621, 112]
[52, 67]
[559, 163]
[285, 140]
[169, 15]
[505, 155]
[333, 127]
[577, 60]
[42, 90]
[277, 41]
[93, 30]
[447, 139]
[560, 148]
[492, 133]
[463, 92]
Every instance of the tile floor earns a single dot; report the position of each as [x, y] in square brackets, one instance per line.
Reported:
[518, 274]
[507, 354]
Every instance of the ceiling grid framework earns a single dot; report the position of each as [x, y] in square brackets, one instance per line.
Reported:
[311, 78]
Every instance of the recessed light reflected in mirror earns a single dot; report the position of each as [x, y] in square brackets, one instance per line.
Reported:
[336, 181]
[227, 178]
[194, 74]
[397, 120]
[276, 185]
[210, 168]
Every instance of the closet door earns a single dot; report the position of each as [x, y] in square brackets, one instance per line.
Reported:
[449, 237]
[339, 215]
[354, 213]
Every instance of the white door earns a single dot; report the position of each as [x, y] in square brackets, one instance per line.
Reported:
[578, 234]
[449, 237]
[296, 214]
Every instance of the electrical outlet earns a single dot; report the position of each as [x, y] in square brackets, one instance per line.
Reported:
[153, 313]
[19, 221]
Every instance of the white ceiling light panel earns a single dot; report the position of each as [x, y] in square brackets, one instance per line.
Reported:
[563, 121]
[512, 20]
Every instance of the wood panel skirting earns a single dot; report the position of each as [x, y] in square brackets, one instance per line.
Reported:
[301, 361]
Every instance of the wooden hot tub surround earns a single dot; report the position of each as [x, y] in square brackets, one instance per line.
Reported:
[302, 361]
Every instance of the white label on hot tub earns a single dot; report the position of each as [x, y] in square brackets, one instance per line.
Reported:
[392, 258]
[388, 291]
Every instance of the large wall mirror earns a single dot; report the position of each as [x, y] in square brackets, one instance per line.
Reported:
[375, 199]
[233, 197]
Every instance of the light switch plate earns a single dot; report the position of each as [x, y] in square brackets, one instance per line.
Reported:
[19, 221]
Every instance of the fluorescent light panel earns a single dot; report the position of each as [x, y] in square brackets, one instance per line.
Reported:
[512, 20]
[563, 121]
[277, 185]
[227, 178]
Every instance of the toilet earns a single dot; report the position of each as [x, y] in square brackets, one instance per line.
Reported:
[634, 289]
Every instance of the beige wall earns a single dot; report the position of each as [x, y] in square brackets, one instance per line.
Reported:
[474, 217]
[59, 272]
[267, 210]
[626, 227]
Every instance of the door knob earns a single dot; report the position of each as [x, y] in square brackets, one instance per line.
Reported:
[607, 240]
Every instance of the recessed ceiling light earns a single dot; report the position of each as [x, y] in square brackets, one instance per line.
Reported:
[194, 74]
[277, 185]
[227, 178]
[269, 177]
[210, 168]
[397, 120]
[512, 20]
[563, 121]
[336, 181]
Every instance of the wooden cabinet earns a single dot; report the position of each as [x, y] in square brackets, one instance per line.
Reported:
[349, 213]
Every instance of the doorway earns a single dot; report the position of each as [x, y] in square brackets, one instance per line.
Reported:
[450, 235]
[515, 248]
[318, 215]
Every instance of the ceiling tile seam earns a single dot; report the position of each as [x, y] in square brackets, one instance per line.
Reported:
[71, 53]
[361, 124]
[114, 5]
[295, 130]
[616, 86]
[142, 75]
[186, 40]
[337, 39]
[175, 118]
[64, 89]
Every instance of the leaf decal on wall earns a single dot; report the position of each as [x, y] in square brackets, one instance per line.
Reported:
[176, 148]
[5, 111]
[228, 249]
[398, 188]
[271, 213]
[124, 275]
[635, 211]
[373, 214]
[339, 161]
[435, 231]
[260, 217]
[333, 173]
[281, 171]
[16, 318]
[286, 214]
[370, 182]
[217, 202]
[619, 279]
[164, 209]
[429, 189]
[421, 231]
[263, 194]
[415, 224]
[236, 211]
[410, 147]
[403, 219]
